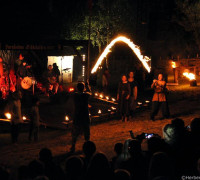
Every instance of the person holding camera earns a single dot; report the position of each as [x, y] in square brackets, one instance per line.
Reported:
[159, 98]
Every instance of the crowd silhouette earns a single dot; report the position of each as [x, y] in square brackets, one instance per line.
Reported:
[175, 156]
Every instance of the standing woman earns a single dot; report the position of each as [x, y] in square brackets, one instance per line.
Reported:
[123, 96]
[159, 98]
[134, 91]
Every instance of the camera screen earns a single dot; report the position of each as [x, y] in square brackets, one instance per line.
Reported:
[147, 136]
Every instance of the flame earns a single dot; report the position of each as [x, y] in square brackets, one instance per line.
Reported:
[24, 117]
[99, 112]
[66, 118]
[136, 50]
[107, 97]
[190, 76]
[113, 99]
[173, 64]
[101, 96]
[71, 89]
[8, 115]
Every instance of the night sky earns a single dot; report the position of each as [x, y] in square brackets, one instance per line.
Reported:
[154, 28]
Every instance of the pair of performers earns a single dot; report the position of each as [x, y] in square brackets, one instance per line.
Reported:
[127, 95]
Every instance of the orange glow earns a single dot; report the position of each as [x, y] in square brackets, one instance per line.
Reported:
[21, 57]
[113, 99]
[173, 64]
[99, 112]
[190, 76]
[66, 118]
[107, 97]
[101, 95]
[71, 89]
[135, 49]
[8, 115]
[24, 117]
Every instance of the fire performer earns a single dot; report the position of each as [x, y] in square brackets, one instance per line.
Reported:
[159, 98]
[123, 96]
[134, 91]
[81, 121]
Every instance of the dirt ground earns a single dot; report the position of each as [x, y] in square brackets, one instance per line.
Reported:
[183, 101]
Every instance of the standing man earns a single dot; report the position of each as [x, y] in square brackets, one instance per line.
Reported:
[14, 108]
[81, 121]
[159, 98]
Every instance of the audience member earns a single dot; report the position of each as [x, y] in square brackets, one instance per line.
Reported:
[118, 151]
[121, 174]
[51, 170]
[160, 165]
[99, 168]
[74, 168]
[89, 148]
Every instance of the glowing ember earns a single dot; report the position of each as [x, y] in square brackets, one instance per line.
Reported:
[190, 76]
[101, 95]
[113, 108]
[99, 112]
[136, 50]
[96, 94]
[173, 64]
[71, 89]
[139, 103]
[66, 118]
[24, 117]
[113, 99]
[8, 115]
[107, 97]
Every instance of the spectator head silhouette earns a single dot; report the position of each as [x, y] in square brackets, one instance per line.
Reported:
[36, 168]
[155, 144]
[195, 126]
[80, 86]
[45, 155]
[121, 174]
[134, 147]
[178, 123]
[159, 165]
[74, 167]
[118, 148]
[89, 148]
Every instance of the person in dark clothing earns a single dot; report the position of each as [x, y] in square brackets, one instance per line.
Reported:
[56, 71]
[123, 96]
[74, 168]
[89, 148]
[14, 108]
[51, 170]
[99, 168]
[136, 164]
[34, 119]
[81, 121]
[118, 150]
[134, 92]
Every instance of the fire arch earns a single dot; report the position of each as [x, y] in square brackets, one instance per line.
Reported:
[144, 59]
